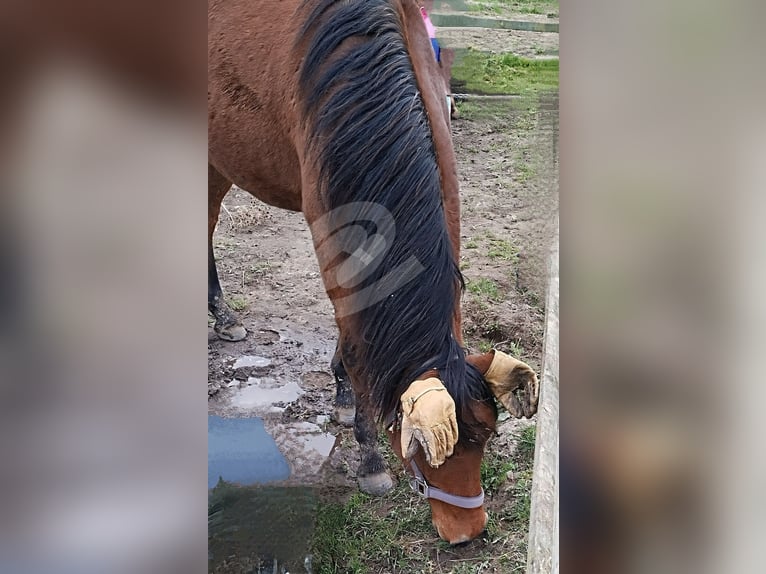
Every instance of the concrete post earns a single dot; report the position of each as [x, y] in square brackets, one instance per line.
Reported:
[543, 547]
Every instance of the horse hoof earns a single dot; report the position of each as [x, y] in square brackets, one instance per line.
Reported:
[344, 416]
[376, 484]
[231, 333]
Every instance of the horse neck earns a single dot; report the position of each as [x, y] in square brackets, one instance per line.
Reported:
[431, 86]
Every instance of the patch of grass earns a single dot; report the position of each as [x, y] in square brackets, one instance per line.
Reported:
[516, 349]
[494, 471]
[471, 244]
[502, 111]
[502, 249]
[523, 172]
[483, 287]
[515, 6]
[485, 346]
[368, 535]
[505, 74]
[526, 446]
[519, 511]
[237, 303]
[485, 7]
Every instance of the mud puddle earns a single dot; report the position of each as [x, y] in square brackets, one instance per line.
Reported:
[265, 393]
[241, 451]
[286, 390]
[251, 361]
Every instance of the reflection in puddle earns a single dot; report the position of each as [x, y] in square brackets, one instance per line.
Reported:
[305, 446]
[312, 437]
[251, 361]
[260, 530]
[242, 452]
[321, 443]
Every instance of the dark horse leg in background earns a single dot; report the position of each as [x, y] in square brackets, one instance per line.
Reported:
[227, 324]
[343, 409]
[371, 475]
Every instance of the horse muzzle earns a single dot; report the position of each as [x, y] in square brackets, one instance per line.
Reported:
[460, 531]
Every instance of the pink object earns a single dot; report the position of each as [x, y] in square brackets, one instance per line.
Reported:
[427, 21]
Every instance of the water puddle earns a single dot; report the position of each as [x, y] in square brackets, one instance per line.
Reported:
[465, 21]
[262, 530]
[251, 361]
[311, 437]
[252, 526]
[306, 447]
[266, 395]
[241, 451]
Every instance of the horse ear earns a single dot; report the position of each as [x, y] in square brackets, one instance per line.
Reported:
[513, 382]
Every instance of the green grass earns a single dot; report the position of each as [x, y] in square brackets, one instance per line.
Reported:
[495, 7]
[494, 471]
[505, 74]
[517, 350]
[485, 8]
[350, 537]
[503, 250]
[485, 346]
[237, 303]
[368, 535]
[527, 441]
[366, 532]
[483, 287]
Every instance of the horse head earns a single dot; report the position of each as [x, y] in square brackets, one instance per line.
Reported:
[445, 464]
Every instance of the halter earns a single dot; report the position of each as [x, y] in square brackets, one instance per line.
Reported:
[420, 486]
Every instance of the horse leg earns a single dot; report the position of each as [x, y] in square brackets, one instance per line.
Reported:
[372, 476]
[343, 411]
[227, 324]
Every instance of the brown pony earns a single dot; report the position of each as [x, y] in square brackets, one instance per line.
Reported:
[338, 109]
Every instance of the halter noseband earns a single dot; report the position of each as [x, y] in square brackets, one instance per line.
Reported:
[420, 486]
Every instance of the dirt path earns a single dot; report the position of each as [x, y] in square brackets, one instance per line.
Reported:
[527, 44]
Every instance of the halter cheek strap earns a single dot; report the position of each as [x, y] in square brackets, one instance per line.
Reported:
[420, 486]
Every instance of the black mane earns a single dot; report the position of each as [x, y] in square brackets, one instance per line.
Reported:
[369, 130]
